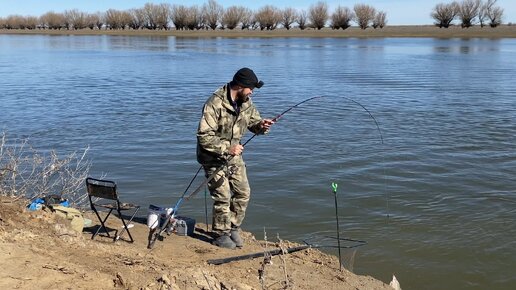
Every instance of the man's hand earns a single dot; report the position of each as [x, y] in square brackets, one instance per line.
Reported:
[236, 150]
[266, 124]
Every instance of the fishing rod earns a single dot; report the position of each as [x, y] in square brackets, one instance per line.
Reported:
[370, 115]
[281, 251]
[334, 186]
[259, 254]
[154, 235]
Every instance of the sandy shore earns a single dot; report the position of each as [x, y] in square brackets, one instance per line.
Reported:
[39, 250]
[503, 31]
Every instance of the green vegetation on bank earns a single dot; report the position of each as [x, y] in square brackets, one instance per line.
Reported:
[213, 16]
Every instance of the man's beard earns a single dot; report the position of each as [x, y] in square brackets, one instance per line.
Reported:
[241, 97]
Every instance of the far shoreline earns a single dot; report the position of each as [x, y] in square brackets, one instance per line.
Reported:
[400, 31]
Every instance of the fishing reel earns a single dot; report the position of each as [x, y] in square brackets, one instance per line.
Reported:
[231, 169]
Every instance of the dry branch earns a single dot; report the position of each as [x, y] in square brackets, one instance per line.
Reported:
[25, 172]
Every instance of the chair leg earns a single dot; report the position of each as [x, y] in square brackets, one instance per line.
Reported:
[117, 237]
[102, 223]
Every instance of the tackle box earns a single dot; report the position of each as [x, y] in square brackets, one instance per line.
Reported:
[185, 226]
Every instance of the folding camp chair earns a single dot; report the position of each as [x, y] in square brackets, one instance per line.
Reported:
[98, 192]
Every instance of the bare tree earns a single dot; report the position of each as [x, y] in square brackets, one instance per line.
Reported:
[288, 16]
[31, 22]
[341, 18]
[156, 15]
[482, 14]
[161, 16]
[232, 17]
[150, 11]
[364, 15]
[178, 16]
[468, 10]
[125, 19]
[112, 19]
[318, 14]
[380, 20]
[302, 19]
[52, 20]
[194, 18]
[212, 12]
[494, 13]
[23, 22]
[248, 20]
[117, 19]
[444, 14]
[76, 19]
[268, 17]
[138, 19]
[94, 20]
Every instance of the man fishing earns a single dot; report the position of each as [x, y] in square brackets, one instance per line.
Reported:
[226, 116]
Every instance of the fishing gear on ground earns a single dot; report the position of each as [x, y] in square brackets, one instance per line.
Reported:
[162, 217]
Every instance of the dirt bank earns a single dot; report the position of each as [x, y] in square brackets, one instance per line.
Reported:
[38, 250]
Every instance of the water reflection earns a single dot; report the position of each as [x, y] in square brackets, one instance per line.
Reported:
[147, 43]
[467, 46]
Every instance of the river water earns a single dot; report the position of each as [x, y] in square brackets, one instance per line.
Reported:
[435, 201]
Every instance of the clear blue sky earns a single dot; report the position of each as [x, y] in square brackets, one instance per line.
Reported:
[398, 11]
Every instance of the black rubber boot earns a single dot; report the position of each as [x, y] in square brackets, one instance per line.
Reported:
[236, 238]
[224, 241]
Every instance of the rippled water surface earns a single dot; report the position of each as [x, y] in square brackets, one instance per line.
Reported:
[435, 202]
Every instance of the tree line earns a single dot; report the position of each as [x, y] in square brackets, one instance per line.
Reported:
[210, 15]
[468, 12]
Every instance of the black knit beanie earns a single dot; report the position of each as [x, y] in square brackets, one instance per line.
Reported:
[246, 78]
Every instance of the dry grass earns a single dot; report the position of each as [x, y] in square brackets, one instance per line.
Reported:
[26, 172]
[503, 31]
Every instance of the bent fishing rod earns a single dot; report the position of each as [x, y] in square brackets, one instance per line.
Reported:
[170, 216]
[370, 115]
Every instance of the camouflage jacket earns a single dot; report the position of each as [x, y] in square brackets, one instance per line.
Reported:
[221, 126]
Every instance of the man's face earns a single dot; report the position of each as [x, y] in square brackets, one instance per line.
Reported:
[244, 94]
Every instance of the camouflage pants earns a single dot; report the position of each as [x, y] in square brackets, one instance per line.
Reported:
[230, 192]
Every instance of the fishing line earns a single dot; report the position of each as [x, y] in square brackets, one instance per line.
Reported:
[383, 155]
[354, 242]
